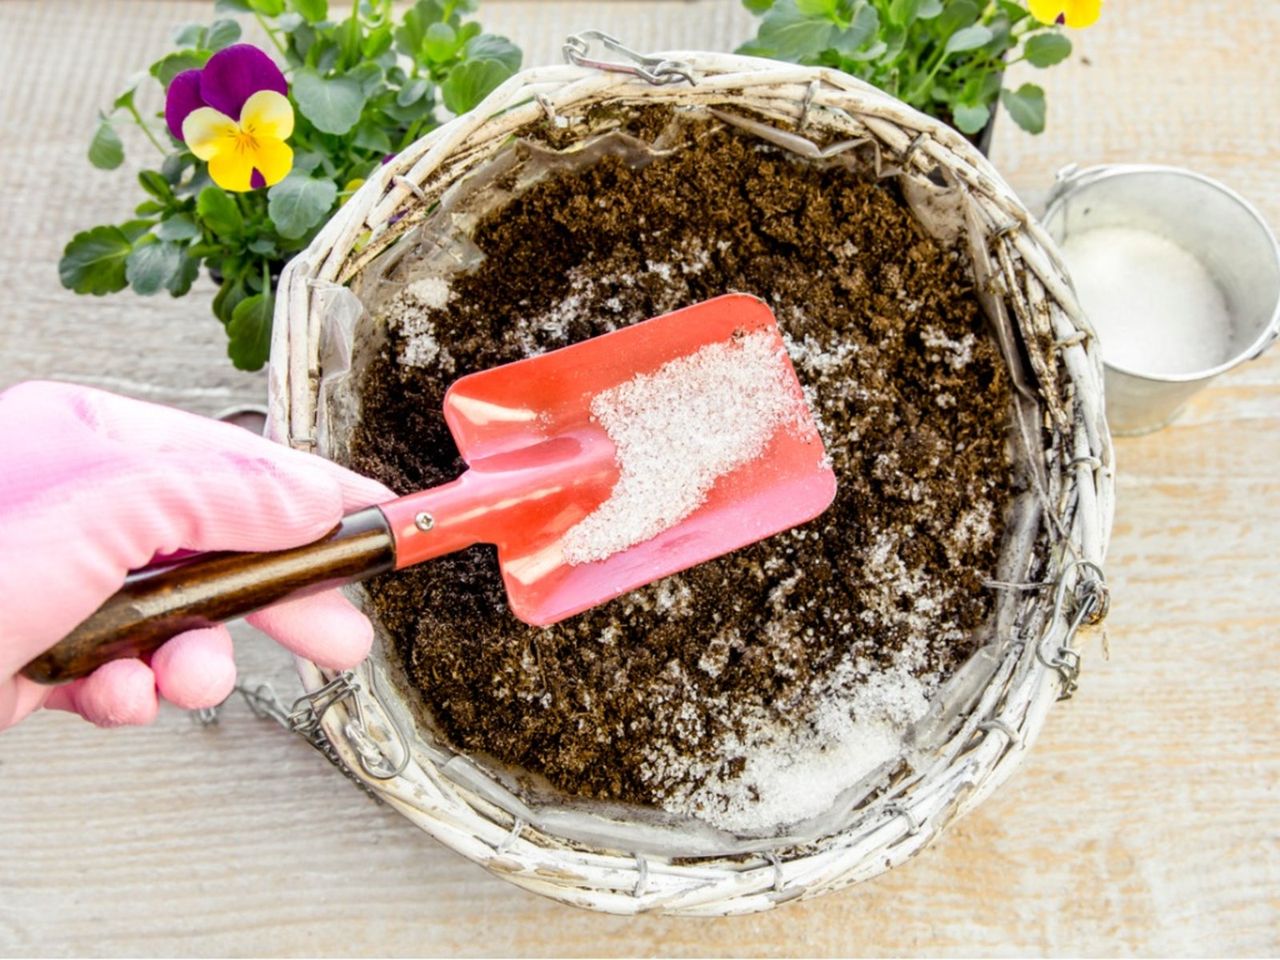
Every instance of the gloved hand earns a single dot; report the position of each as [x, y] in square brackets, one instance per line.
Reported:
[93, 485]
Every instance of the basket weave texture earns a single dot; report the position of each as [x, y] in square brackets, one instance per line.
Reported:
[1059, 423]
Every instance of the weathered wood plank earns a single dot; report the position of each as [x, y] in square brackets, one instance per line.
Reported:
[1143, 822]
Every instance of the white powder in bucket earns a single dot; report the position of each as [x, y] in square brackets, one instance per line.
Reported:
[678, 430]
[1155, 307]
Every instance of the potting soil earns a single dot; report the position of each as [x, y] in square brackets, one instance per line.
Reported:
[752, 689]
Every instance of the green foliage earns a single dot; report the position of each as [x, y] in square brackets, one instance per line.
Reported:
[93, 261]
[364, 84]
[152, 265]
[106, 151]
[249, 332]
[298, 203]
[1026, 106]
[944, 57]
[332, 104]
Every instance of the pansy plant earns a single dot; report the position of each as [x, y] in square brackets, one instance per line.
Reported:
[261, 143]
[943, 57]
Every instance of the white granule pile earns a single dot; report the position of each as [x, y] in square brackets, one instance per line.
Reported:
[797, 769]
[1155, 307]
[677, 431]
[432, 292]
[787, 763]
[409, 314]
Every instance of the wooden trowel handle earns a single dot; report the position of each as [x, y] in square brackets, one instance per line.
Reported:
[159, 603]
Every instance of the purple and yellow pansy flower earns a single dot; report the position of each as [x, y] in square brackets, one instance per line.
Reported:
[235, 115]
[1072, 13]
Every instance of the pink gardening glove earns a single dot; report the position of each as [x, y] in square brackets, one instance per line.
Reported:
[93, 485]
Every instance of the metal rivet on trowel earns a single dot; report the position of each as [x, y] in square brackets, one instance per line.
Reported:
[424, 521]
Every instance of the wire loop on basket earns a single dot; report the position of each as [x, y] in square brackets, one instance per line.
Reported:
[305, 718]
[1051, 586]
[1090, 600]
[655, 70]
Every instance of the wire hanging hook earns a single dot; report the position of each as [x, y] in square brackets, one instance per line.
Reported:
[655, 70]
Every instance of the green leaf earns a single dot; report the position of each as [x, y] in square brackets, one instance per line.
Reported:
[189, 35]
[793, 36]
[219, 212]
[250, 331]
[180, 283]
[970, 118]
[349, 39]
[1016, 12]
[818, 8]
[377, 42]
[300, 41]
[125, 100]
[106, 152]
[173, 167]
[156, 185]
[152, 266]
[221, 34]
[323, 55]
[873, 52]
[305, 161]
[411, 92]
[470, 82]
[488, 46]
[268, 8]
[413, 27]
[333, 105]
[903, 12]
[757, 6]
[180, 227]
[864, 26]
[296, 204]
[94, 261]
[440, 42]
[970, 38]
[1046, 49]
[1027, 107]
[406, 116]
[313, 11]
[166, 68]
[957, 15]
[1001, 37]
[232, 6]
[133, 229]
[264, 246]
[372, 136]
[370, 77]
[232, 292]
[929, 9]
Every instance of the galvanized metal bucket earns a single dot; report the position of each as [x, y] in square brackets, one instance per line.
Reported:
[1212, 223]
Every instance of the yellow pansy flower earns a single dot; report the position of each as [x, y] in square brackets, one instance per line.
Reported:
[234, 113]
[247, 153]
[1072, 13]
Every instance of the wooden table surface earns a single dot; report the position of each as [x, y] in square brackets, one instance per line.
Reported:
[1145, 822]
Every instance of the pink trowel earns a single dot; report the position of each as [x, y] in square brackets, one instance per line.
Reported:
[540, 464]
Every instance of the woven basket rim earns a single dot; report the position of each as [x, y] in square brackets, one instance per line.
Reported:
[1024, 284]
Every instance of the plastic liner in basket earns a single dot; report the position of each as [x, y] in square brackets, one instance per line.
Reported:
[984, 718]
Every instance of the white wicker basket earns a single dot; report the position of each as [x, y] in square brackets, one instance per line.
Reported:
[978, 739]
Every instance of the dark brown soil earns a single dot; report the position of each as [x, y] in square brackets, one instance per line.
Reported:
[913, 401]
